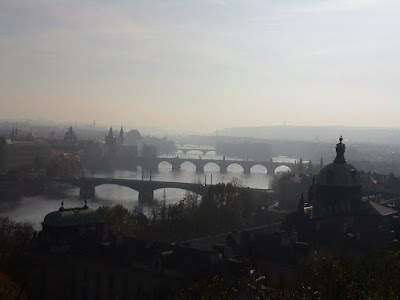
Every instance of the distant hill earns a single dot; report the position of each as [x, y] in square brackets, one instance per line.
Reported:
[318, 133]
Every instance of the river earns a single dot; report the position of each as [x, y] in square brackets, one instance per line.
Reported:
[33, 209]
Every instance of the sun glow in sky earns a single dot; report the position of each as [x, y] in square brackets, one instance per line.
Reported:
[201, 65]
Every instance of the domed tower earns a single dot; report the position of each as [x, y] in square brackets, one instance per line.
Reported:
[338, 188]
[70, 137]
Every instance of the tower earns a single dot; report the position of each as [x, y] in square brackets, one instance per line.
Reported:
[121, 138]
[337, 188]
[110, 139]
[111, 142]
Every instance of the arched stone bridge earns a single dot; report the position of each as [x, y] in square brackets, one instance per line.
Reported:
[176, 162]
[202, 150]
[145, 188]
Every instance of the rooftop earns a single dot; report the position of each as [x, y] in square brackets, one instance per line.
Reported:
[72, 217]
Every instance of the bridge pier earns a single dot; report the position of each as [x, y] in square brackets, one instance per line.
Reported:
[87, 191]
[223, 168]
[246, 169]
[145, 195]
[200, 169]
[176, 166]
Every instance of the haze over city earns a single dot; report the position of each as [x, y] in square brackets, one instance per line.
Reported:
[199, 149]
[201, 65]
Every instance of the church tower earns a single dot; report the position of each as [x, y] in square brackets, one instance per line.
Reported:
[110, 139]
[121, 137]
[337, 188]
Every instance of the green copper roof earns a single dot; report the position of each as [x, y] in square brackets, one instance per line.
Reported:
[72, 217]
[339, 174]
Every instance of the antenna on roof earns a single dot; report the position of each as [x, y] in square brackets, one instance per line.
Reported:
[62, 205]
[85, 206]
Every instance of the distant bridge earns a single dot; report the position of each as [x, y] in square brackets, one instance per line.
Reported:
[202, 149]
[152, 164]
[146, 189]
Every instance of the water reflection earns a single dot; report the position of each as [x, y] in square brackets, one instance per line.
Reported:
[33, 209]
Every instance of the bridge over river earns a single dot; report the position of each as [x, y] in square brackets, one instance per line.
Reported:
[201, 149]
[153, 163]
[146, 189]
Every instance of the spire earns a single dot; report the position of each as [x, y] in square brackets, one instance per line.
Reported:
[121, 138]
[110, 132]
[340, 149]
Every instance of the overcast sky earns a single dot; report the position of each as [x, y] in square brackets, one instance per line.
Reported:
[201, 65]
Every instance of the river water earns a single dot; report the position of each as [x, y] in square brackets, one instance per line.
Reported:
[33, 209]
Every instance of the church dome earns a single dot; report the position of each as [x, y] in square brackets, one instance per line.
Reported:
[339, 173]
[70, 137]
[134, 135]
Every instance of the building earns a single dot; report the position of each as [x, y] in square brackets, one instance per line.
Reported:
[110, 140]
[121, 138]
[78, 259]
[70, 138]
[23, 155]
[133, 138]
[62, 227]
[337, 189]
[337, 215]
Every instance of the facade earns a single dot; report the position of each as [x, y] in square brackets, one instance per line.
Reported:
[78, 259]
[23, 155]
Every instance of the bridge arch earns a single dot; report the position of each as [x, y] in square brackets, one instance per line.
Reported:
[212, 167]
[281, 169]
[115, 192]
[259, 168]
[235, 168]
[188, 165]
[195, 152]
[164, 164]
[210, 152]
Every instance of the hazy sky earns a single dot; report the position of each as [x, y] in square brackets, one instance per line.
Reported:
[201, 65]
